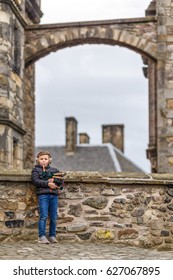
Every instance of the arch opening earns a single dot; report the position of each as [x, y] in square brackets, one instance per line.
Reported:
[93, 80]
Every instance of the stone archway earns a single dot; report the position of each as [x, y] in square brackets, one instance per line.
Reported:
[138, 35]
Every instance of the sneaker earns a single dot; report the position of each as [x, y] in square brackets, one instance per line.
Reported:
[53, 239]
[43, 240]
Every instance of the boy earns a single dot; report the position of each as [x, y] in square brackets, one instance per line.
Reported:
[47, 191]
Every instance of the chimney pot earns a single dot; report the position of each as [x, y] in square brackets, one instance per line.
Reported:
[84, 138]
[114, 134]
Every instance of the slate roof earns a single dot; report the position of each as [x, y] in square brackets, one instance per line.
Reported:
[87, 157]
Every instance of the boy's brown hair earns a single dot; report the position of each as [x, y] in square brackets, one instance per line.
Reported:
[43, 153]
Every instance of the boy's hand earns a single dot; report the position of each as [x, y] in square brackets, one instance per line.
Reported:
[52, 185]
[51, 180]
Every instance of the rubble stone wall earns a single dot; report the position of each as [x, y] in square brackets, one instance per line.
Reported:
[120, 208]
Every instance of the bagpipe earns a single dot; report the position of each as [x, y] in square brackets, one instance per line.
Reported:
[58, 177]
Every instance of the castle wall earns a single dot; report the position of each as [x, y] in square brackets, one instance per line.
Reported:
[11, 87]
[17, 111]
[29, 116]
[118, 208]
[165, 85]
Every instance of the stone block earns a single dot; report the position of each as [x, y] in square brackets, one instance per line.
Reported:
[84, 236]
[5, 17]
[2, 216]
[75, 210]
[96, 202]
[10, 214]
[104, 234]
[14, 223]
[169, 104]
[21, 206]
[128, 234]
[138, 212]
[77, 227]
[156, 224]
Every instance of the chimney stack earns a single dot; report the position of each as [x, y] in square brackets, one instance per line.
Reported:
[71, 135]
[151, 10]
[114, 134]
[84, 138]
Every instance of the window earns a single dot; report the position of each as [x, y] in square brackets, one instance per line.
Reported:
[16, 49]
[15, 152]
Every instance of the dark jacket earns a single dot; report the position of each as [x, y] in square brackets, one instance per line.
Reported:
[41, 182]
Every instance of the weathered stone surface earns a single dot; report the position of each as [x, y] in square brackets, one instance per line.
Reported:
[128, 234]
[170, 219]
[77, 227]
[65, 219]
[139, 226]
[98, 218]
[120, 200]
[162, 208]
[29, 214]
[170, 191]
[104, 234]
[157, 224]
[2, 217]
[116, 225]
[73, 189]
[116, 206]
[66, 237]
[31, 224]
[129, 207]
[10, 214]
[61, 229]
[21, 206]
[75, 210]
[92, 212]
[98, 203]
[84, 236]
[139, 220]
[62, 203]
[138, 212]
[170, 206]
[14, 223]
[6, 233]
[145, 242]
[96, 224]
[164, 233]
[9, 204]
[108, 192]
[167, 199]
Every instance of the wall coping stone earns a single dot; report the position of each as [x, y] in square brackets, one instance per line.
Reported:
[122, 178]
[92, 23]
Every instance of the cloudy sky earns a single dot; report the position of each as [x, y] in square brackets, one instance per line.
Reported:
[96, 84]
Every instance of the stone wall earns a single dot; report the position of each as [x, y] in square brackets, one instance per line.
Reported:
[165, 85]
[121, 208]
[11, 86]
[29, 117]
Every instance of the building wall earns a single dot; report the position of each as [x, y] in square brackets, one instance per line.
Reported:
[29, 117]
[17, 111]
[165, 85]
[11, 86]
[119, 208]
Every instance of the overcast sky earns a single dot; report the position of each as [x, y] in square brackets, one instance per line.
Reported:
[96, 84]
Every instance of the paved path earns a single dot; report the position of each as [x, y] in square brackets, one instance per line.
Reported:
[77, 251]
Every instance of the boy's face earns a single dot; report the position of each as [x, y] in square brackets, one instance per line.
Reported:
[44, 160]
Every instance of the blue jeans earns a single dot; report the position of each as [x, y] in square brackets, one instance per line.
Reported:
[48, 206]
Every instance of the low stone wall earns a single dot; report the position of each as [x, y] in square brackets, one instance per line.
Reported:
[123, 208]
